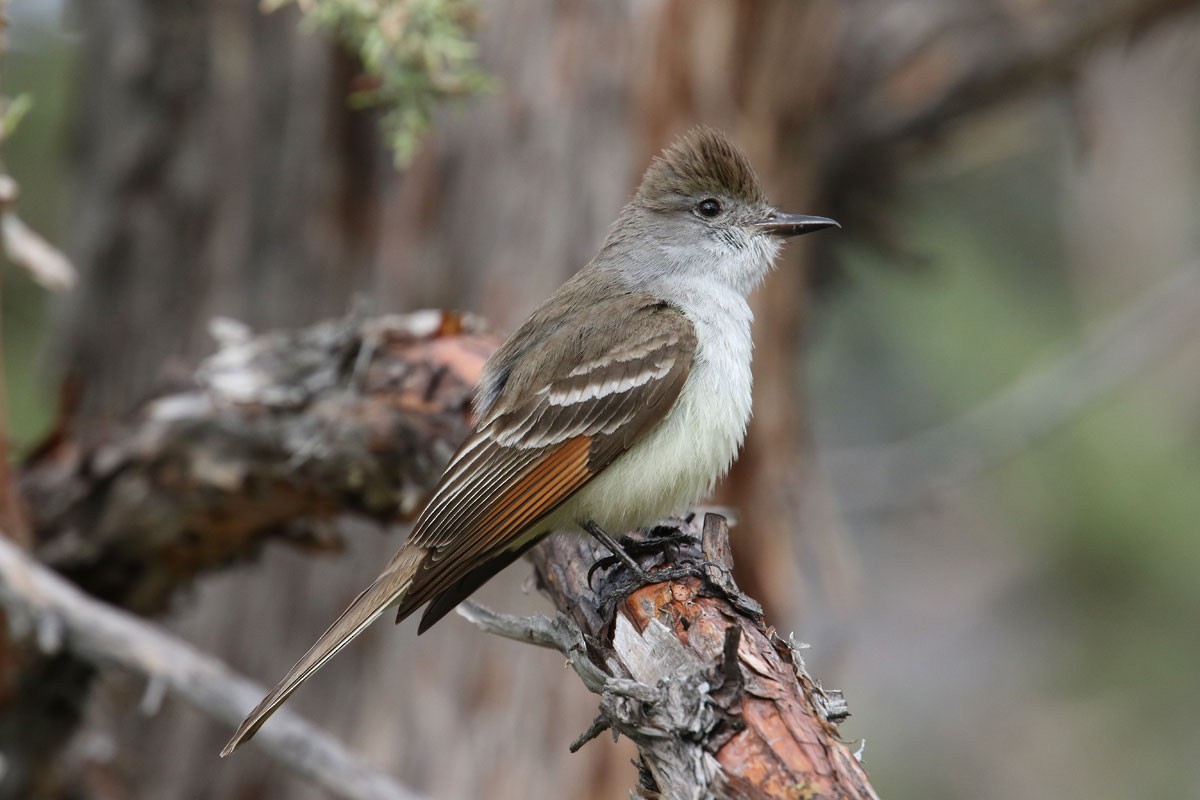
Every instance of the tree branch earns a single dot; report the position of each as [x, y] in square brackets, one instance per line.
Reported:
[911, 69]
[717, 704]
[59, 617]
[271, 436]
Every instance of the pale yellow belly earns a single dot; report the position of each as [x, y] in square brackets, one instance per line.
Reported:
[675, 465]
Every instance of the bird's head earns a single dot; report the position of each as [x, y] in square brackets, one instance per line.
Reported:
[703, 210]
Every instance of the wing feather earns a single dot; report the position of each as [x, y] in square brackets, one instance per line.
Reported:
[557, 477]
[592, 396]
[461, 502]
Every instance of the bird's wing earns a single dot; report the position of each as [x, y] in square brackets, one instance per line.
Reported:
[566, 411]
[572, 402]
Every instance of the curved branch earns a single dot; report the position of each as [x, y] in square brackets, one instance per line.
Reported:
[62, 618]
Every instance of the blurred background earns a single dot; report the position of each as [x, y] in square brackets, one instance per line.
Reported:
[973, 479]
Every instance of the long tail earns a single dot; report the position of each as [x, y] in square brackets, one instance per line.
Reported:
[386, 590]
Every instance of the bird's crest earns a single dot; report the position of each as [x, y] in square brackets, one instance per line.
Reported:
[701, 162]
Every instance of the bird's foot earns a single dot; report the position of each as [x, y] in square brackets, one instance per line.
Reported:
[659, 540]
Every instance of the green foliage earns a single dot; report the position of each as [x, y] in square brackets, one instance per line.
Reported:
[417, 51]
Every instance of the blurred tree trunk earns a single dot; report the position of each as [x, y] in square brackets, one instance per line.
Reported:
[218, 174]
[221, 173]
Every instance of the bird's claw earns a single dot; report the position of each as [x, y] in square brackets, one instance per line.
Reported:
[657, 540]
[606, 563]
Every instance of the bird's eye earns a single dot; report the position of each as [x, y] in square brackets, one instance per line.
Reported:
[709, 207]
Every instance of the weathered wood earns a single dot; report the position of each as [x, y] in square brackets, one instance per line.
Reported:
[718, 704]
[274, 436]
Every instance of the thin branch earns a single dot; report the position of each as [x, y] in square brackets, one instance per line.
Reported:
[1037, 405]
[541, 631]
[60, 616]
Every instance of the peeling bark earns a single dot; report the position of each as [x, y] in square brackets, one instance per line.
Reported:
[717, 702]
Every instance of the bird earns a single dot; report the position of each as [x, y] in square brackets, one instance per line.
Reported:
[621, 400]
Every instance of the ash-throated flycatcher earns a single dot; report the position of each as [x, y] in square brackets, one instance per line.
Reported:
[619, 402]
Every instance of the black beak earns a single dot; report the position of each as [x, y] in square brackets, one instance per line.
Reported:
[787, 225]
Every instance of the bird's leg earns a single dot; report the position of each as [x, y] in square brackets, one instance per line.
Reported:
[618, 552]
[623, 556]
